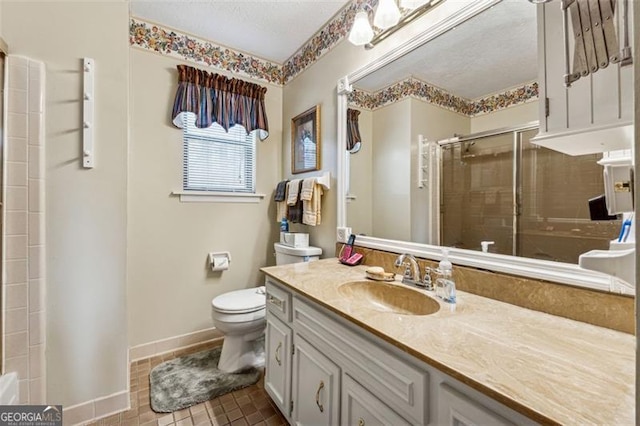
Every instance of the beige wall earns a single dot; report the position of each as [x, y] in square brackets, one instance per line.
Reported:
[512, 116]
[433, 123]
[86, 209]
[391, 171]
[169, 285]
[359, 211]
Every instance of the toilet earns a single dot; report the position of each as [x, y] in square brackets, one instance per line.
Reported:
[240, 315]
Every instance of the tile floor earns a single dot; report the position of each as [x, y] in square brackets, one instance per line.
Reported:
[248, 406]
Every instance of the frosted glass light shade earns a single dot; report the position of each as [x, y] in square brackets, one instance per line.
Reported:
[361, 32]
[387, 14]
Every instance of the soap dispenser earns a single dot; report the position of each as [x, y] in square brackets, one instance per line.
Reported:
[445, 286]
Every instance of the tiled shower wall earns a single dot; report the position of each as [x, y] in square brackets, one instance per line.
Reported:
[23, 281]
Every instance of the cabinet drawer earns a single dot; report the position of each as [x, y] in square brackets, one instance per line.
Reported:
[403, 387]
[457, 409]
[278, 301]
[359, 407]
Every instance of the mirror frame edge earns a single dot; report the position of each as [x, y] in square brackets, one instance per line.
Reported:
[557, 272]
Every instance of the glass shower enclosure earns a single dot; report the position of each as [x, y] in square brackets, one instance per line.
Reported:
[528, 200]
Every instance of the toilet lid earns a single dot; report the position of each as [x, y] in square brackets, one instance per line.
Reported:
[240, 301]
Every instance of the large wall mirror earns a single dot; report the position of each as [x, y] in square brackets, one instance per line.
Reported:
[445, 157]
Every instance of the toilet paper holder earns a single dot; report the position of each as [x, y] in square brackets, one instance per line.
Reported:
[219, 261]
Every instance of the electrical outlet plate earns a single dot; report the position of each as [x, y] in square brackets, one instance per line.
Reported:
[343, 233]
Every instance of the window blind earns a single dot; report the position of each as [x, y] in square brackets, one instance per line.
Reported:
[215, 160]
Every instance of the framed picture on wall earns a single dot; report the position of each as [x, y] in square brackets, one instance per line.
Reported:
[305, 141]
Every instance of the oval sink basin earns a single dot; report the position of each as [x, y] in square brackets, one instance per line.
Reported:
[384, 297]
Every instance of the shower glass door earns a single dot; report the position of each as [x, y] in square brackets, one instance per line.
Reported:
[529, 200]
[477, 193]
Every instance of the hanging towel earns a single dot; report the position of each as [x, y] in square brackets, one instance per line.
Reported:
[311, 210]
[281, 191]
[280, 197]
[295, 211]
[307, 189]
[293, 190]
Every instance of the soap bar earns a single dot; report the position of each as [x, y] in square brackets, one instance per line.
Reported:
[375, 270]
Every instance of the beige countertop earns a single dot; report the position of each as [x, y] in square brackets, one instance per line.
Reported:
[551, 369]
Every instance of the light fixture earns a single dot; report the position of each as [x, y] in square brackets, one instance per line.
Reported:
[387, 19]
[361, 32]
[387, 15]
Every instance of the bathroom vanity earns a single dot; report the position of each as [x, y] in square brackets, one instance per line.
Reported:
[343, 350]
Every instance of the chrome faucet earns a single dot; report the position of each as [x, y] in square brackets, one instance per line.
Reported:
[411, 273]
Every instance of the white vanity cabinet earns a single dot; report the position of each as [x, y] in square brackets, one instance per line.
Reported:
[316, 386]
[277, 380]
[324, 370]
[595, 113]
[360, 407]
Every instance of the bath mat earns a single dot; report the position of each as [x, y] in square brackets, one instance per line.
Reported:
[192, 379]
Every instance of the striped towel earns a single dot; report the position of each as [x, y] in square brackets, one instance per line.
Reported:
[311, 209]
[307, 189]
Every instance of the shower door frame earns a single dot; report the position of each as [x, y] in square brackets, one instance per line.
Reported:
[517, 172]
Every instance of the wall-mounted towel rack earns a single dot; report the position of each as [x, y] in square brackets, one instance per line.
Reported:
[325, 180]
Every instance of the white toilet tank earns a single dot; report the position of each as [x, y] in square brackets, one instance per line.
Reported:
[286, 254]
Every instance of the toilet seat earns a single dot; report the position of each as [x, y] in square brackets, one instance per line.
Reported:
[240, 301]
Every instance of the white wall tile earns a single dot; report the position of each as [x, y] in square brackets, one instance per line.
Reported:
[37, 328]
[16, 271]
[16, 320]
[16, 174]
[35, 128]
[16, 296]
[18, 76]
[36, 195]
[16, 198]
[17, 150]
[36, 69]
[18, 365]
[36, 361]
[16, 247]
[23, 392]
[17, 101]
[16, 223]
[36, 229]
[36, 295]
[35, 165]
[36, 391]
[35, 95]
[18, 61]
[16, 345]
[16, 125]
[36, 262]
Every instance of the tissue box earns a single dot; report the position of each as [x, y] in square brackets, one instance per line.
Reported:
[294, 239]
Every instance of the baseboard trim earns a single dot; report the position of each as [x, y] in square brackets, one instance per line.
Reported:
[159, 347]
[96, 409]
[100, 408]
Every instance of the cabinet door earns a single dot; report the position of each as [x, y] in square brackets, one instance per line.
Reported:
[277, 380]
[456, 409]
[316, 386]
[361, 408]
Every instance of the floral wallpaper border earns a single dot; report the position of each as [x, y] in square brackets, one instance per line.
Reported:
[325, 39]
[170, 42]
[418, 89]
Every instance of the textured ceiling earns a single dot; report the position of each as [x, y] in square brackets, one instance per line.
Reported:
[269, 29]
[493, 51]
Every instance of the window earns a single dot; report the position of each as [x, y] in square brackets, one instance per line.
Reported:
[218, 161]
